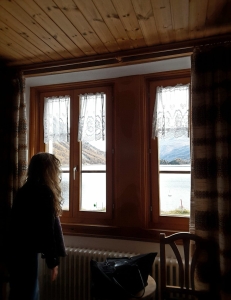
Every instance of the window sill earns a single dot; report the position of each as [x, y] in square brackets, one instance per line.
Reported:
[126, 233]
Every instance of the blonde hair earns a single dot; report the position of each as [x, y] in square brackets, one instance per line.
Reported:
[45, 169]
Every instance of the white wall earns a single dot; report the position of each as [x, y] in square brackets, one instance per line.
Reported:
[115, 72]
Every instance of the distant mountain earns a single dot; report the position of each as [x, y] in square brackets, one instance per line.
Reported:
[174, 150]
[61, 150]
[91, 154]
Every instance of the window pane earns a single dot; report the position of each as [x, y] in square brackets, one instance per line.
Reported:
[94, 155]
[174, 156]
[65, 190]
[93, 192]
[175, 193]
[57, 137]
[174, 150]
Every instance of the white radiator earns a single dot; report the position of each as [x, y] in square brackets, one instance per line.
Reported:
[73, 281]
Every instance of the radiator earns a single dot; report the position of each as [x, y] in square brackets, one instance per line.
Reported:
[73, 281]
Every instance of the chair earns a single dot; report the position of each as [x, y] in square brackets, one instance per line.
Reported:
[187, 264]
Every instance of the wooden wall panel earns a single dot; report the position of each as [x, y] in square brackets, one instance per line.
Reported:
[128, 152]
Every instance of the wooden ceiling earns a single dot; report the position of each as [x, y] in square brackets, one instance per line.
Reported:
[41, 34]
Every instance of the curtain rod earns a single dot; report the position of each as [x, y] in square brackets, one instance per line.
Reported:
[141, 55]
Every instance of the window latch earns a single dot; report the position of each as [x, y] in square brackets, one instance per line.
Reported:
[74, 170]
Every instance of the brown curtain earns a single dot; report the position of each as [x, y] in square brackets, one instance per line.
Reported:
[13, 150]
[211, 154]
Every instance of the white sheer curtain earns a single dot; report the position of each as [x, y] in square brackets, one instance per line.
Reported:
[92, 117]
[170, 115]
[56, 119]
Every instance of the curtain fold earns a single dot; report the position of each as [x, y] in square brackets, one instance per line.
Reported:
[92, 117]
[19, 138]
[170, 114]
[211, 154]
[56, 119]
[13, 153]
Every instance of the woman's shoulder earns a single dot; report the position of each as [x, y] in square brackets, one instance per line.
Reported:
[36, 189]
[37, 185]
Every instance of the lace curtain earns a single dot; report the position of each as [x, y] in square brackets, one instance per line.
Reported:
[56, 119]
[170, 115]
[92, 117]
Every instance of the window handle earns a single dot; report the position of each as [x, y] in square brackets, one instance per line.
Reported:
[74, 170]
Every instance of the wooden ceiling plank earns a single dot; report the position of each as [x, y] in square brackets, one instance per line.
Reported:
[145, 16]
[226, 18]
[27, 35]
[113, 22]
[7, 41]
[180, 19]
[215, 17]
[197, 18]
[13, 58]
[130, 23]
[62, 22]
[95, 20]
[108, 28]
[7, 31]
[20, 15]
[9, 54]
[54, 31]
[11, 46]
[162, 14]
[129, 57]
[71, 11]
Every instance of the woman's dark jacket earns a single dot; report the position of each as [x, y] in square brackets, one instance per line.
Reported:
[34, 226]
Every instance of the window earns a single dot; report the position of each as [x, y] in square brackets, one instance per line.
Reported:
[170, 179]
[92, 146]
[86, 160]
[112, 177]
[171, 126]
[92, 134]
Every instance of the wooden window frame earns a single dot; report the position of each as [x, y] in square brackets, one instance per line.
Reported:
[127, 93]
[90, 217]
[36, 143]
[163, 223]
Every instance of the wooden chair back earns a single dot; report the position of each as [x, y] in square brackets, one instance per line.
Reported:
[186, 263]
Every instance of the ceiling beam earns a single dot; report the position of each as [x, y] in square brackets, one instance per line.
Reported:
[135, 56]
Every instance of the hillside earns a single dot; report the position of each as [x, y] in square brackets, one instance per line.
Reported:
[93, 155]
[90, 155]
[174, 151]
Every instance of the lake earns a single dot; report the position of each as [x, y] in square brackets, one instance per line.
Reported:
[174, 189]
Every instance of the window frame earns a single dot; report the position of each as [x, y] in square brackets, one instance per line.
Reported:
[125, 91]
[36, 144]
[179, 223]
[91, 217]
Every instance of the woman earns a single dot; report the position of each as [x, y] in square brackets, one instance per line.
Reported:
[35, 227]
